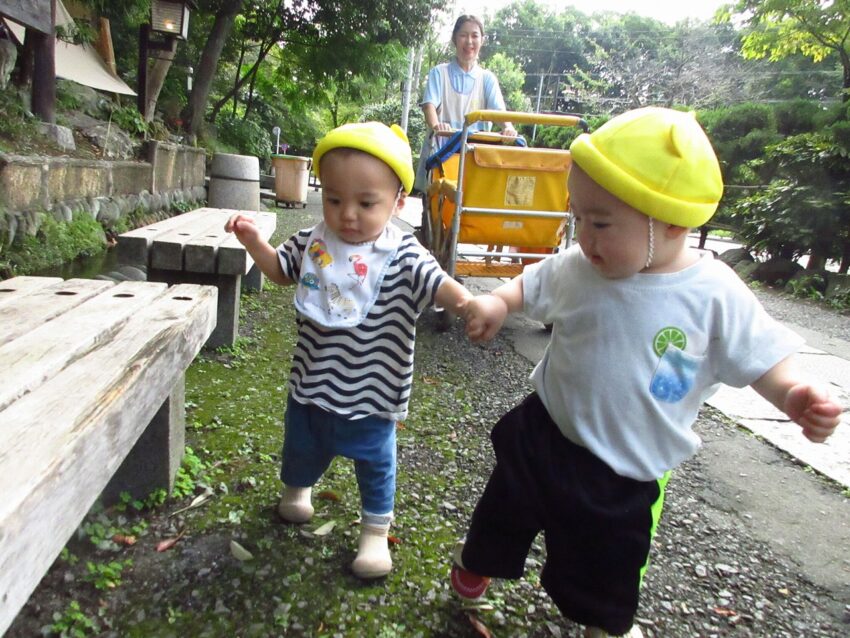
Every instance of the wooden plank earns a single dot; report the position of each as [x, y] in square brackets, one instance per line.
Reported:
[42, 352]
[201, 253]
[481, 269]
[31, 310]
[63, 442]
[12, 289]
[133, 245]
[233, 259]
[166, 251]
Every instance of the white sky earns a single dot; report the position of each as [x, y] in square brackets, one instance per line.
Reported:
[669, 11]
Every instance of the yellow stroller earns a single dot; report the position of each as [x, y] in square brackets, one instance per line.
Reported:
[491, 209]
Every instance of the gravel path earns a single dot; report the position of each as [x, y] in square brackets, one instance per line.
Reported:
[807, 313]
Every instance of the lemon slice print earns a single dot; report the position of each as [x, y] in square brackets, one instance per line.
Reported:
[669, 336]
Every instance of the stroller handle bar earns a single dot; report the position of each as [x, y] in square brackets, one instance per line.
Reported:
[520, 117]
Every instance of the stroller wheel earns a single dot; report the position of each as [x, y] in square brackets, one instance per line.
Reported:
[445, 319]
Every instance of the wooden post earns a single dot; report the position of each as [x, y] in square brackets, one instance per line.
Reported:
[104, 45]
[44, 71]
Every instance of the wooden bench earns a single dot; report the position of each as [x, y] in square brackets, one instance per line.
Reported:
[193, 248]
[91, 404]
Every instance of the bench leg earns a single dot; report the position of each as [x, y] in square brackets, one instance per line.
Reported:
[229, 295]
[253, 280]
[155, 458]
[227, 321]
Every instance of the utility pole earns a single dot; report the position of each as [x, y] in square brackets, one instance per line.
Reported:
[405, 92]
[537, 106]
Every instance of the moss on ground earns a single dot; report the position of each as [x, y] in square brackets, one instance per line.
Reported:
[297, 583]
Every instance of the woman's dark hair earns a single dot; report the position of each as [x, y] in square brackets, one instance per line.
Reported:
[462, 20]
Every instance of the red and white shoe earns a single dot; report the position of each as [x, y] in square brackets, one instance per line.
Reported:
[466, 583]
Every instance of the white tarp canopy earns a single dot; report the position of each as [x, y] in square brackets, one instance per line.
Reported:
[78, 62]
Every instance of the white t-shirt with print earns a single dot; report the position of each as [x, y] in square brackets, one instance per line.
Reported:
[631, 361]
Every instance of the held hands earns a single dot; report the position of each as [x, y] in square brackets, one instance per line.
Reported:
[813, 410]
[484, 316]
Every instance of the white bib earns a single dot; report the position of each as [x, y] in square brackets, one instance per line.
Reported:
[339, 281]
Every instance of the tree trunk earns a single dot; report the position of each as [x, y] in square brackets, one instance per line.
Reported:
[236, 79]
[817, 260]
[156, 78]
[845, 258]
[250, 73]
[224, 19]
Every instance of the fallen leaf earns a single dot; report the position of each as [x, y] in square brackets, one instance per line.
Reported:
[725, 612]
[239, 552]
[124, 539]
[168, 543]
[395, 540]
[430, 380]
[328, 495]
[400, 425]
[325, 529]
[199, 500]
[479, 626]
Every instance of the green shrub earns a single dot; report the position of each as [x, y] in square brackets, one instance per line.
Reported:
[737, 121]
[16, 122]
[54, 243]
[797, 116]
[128, 119]
[247, 137]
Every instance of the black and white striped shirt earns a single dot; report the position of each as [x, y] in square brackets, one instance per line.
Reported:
[365, 370]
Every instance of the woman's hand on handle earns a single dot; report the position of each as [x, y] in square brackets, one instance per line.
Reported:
[508, 130]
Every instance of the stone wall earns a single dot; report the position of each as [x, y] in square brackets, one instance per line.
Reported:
[32, 186]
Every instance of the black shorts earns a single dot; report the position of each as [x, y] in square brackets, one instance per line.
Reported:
[598, 525]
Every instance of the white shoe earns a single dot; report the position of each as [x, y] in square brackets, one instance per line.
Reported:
[373, 552]
[596, 632]
[295, 505]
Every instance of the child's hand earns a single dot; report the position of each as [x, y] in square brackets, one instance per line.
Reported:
[244, 227]
[484, 316]
[814, 410]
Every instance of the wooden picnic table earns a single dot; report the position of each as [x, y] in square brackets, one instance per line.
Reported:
[193, 248]
[91, 404]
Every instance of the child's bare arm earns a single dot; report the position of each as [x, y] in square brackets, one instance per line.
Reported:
[261, 251]
[809, 406]
[485, 314]
[452, 296]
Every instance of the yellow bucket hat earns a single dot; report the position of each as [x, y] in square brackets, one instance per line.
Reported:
[658, 161]
[388, 143]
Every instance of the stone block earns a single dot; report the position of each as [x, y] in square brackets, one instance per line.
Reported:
[72, 179]
[21, 183]
[130, 177]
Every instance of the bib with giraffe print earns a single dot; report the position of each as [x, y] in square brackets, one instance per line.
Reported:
[339, 282]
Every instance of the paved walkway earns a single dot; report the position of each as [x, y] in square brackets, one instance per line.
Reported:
[827, 360]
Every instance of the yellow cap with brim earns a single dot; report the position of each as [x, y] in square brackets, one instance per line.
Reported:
[658, 161]
[388, 143]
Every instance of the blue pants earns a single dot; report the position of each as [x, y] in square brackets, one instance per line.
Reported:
[313, 437]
